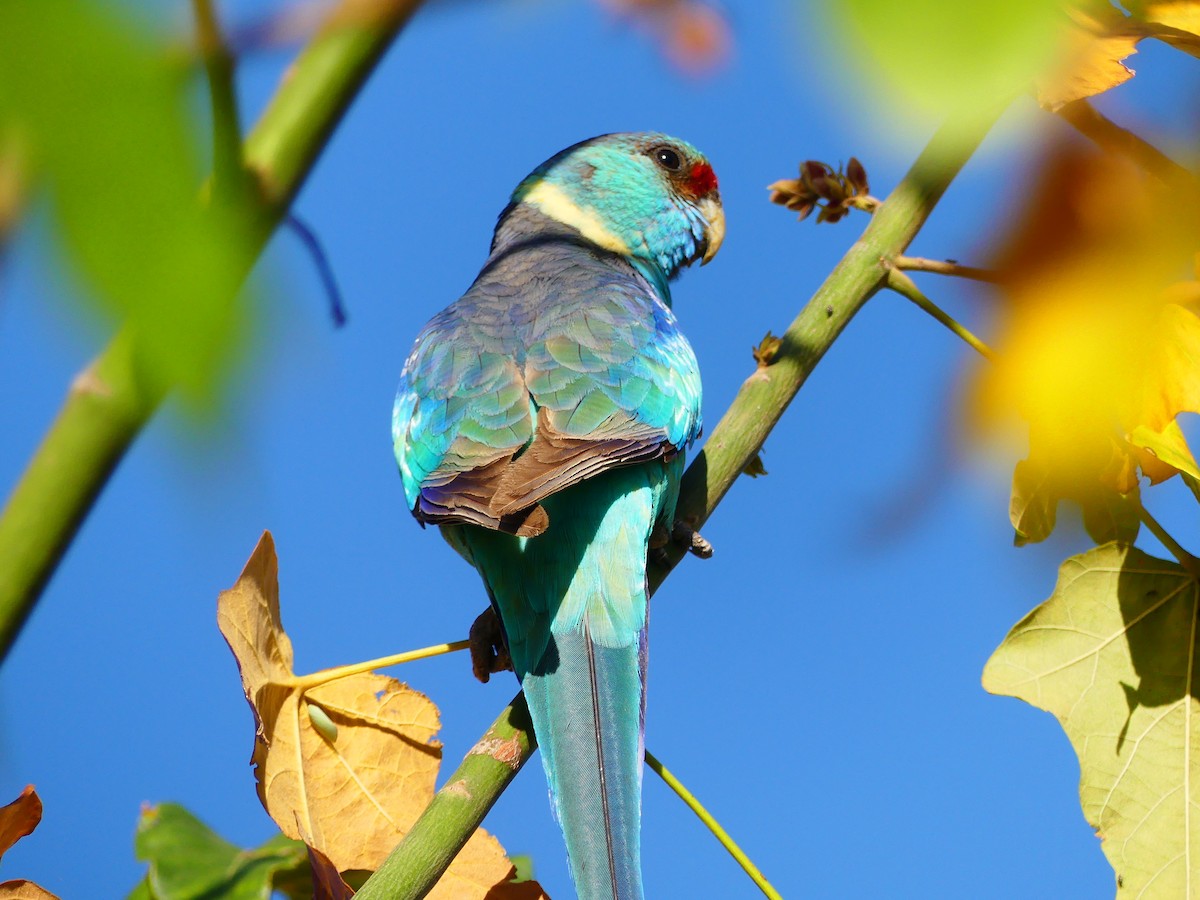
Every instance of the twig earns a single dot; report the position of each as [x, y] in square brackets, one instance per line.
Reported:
[764, 396]
[713, 825]
[324, 270]
[229, 172]
[944, 267]
[906, 287]
[112, 399]
[1187, 560]
[1091, 123]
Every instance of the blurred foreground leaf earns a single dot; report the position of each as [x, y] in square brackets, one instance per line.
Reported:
[105, 118]
[1098, 348]
[937, 57]
[1112, 654]
[348, 763]
[189, 861]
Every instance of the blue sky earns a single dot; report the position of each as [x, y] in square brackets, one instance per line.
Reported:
[816, 683]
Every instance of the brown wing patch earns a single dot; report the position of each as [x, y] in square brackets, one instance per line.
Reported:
[506, 494]
[554, 461]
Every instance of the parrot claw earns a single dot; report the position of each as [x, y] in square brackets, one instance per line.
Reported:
[488, 651]
[691, 540]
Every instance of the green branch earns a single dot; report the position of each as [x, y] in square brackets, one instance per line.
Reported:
[413, 867]
[110, 402]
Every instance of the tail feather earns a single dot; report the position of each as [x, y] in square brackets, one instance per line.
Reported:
[574, 607]
[587, 716]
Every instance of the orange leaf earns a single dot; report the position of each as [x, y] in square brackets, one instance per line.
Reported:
[345, 763]
[19, 818]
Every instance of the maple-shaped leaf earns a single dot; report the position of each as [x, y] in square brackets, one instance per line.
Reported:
[1112, 654]
[19, 818]
[345, 763]
[1098, 351]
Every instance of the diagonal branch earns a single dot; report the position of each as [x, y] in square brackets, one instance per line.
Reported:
[110, 402]
[412, 869]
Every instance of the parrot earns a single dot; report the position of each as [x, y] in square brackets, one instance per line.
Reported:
[542, 421]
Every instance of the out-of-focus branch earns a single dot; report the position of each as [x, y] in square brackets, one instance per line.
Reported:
[228, 170]
[113, 398]
[1107, 134]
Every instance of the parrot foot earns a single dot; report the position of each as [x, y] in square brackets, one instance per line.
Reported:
[691, 540]
[488, 652]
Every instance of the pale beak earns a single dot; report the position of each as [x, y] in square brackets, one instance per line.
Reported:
[714, 214]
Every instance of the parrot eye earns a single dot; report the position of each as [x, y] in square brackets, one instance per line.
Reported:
[667, 158]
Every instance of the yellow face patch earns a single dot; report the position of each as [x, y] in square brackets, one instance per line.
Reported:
[554, 202]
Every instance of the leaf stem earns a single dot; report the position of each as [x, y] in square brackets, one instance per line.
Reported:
[906, 287]
[656, 766]
[1187, 560]
[944, 267]
[324, 676]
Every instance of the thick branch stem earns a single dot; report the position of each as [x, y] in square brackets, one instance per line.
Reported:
[110, 402]
[419, 860]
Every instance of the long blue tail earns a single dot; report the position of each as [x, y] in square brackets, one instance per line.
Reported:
[587, 714]
[574, 607]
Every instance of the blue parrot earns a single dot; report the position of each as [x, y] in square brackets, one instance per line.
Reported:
[542, 421]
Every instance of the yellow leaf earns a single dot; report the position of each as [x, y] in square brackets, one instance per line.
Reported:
[1168, 452]
[1176, 22]
[19, 818]
[345, 764]
[1090, 61]
[1096, 343]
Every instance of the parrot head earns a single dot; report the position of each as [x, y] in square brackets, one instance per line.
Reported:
[644, 195]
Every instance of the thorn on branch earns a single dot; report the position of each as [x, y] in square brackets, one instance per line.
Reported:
[833, 192]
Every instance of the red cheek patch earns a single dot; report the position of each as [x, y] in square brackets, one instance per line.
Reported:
[702, 179]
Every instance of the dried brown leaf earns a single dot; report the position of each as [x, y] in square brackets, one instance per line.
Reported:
[19, 818]
[20, 889]
[345, 763]
[352, 798]
[482, 869]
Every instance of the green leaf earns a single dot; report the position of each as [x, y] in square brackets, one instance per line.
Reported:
[1033, 506]
[933, 57]
[1110, 516]
[189, 861]
[1112, 655]
[105, 116]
